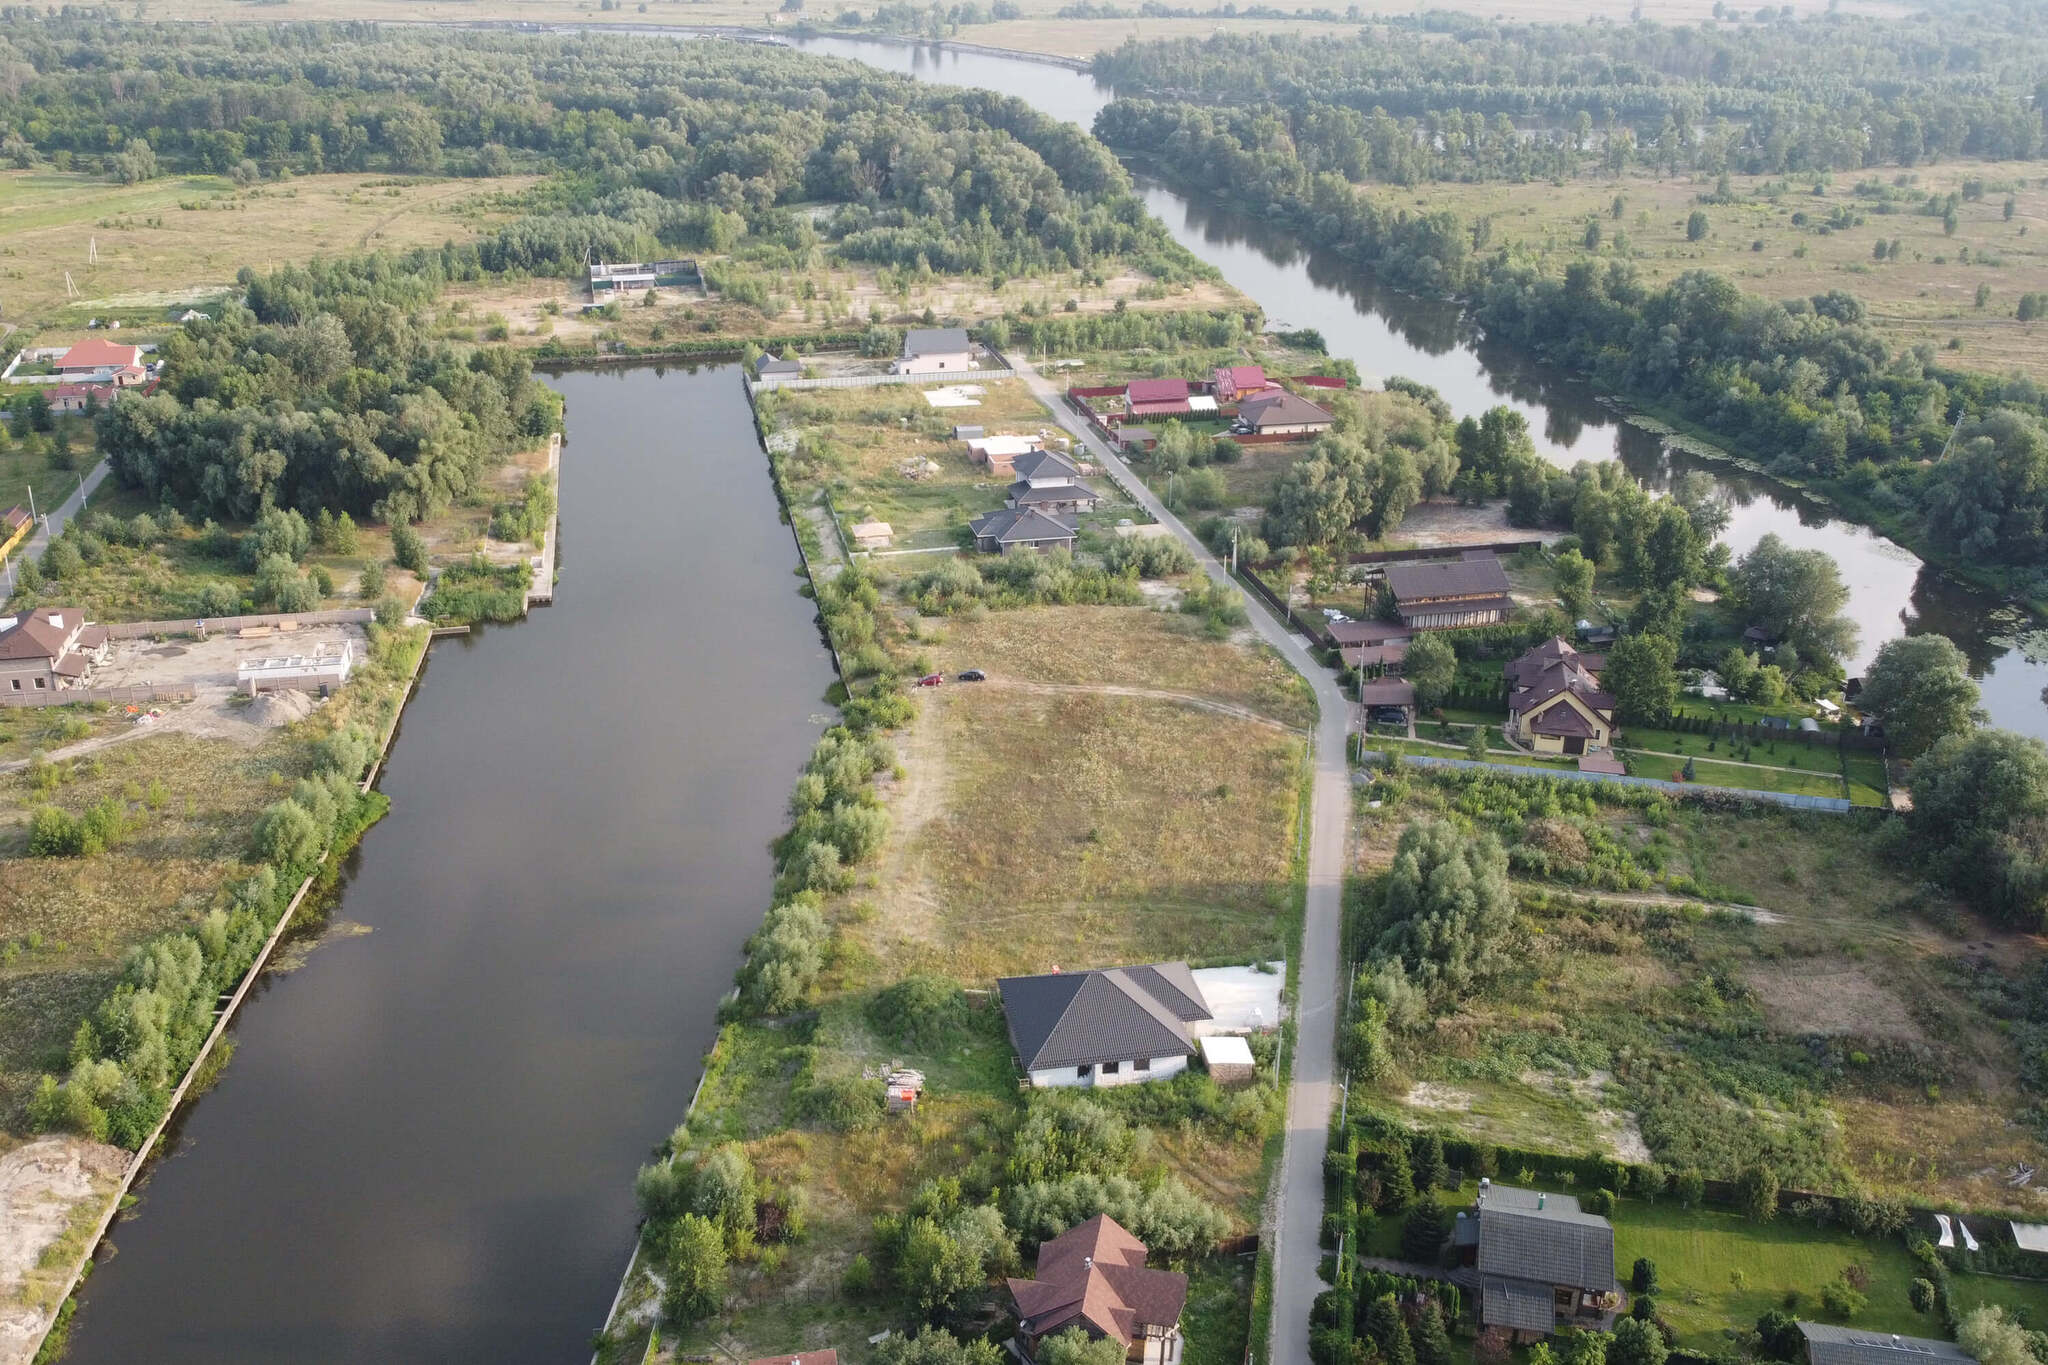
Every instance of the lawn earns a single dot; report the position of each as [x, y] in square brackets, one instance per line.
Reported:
[1718, 1271]
[1743, 776]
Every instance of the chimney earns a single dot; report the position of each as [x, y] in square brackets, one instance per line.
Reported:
[1088, 1263]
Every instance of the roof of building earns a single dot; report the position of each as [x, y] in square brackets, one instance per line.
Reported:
[1370, 632]
[1565, 722]
[1081, 1018]
[828, 1356]
[97, 352]
[1827, 1344]
[862, 529]
[1518, 1305]
[1279, 408]
[15, 518]
[1226, 1049]
[1547, 1242]
[1515, 1197]
[1605, 764]
[1022, 494]
[1550, 668]
[1429, 579]
[1374, 656]
[769, 364]
[1241, 377]
[1004, 446]
[40, 634]
[1040, 464]
[1095, 1273]
[1021, 526]
[1157, 391]
[1387, 692]
[1134, 435]
[934, 341]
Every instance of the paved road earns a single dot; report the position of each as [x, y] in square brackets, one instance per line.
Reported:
[1298, 1211]
[54, 518]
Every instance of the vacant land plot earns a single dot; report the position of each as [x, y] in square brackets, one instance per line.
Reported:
[1779, 239]
[178, 240]
[1833, 1028]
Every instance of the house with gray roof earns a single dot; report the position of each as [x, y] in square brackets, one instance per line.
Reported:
[775, 367]
[1827, 1344]
[1543, 1262]
[1010, 529]
[1109, 1027]
[1050, 482]
[927, 350]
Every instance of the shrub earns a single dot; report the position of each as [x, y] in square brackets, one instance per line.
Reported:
[1758, 1190]
[408, 549]
[696, 1266]
[784, 957]
[1920, 1294]
[1840, 1300]
[1643, 1277]
[370, 583]
[920, 1011]
[858, 1280]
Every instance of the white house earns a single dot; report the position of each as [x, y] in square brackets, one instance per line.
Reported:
[1109, 1027]
[930, 349]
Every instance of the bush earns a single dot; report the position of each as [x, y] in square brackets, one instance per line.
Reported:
[1920, 1294]
[784, 957]
[408, 549]
[1840, 1300]
[1758, 1190]
[696, 1269]
[1643, 1278]
[920, 1011]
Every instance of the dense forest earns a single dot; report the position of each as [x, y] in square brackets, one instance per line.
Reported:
[658, 144]
[1454, 96]
[1955, 461]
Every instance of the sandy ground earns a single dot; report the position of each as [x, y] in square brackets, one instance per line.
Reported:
[41, 1184]
[1443, 522]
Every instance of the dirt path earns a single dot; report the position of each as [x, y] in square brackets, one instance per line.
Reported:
[1222, 708]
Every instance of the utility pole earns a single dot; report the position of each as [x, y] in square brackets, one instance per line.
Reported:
[32, 504]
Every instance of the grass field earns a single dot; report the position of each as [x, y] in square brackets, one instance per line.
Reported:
[1852, 1016]
[1928, 294]
[179, 240]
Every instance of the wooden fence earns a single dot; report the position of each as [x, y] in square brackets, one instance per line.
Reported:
[1318, 635]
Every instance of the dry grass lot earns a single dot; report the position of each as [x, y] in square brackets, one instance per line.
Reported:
[182, 238]
[1085, 831]
[1928, 294]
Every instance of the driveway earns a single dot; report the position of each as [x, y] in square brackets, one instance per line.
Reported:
[1298, 1200]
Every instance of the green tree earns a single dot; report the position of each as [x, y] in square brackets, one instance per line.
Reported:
[1798, 595]
[1432, 666]
[1432, 1172]
[1737, 670]
[1778, 1336]
[1427, 1226]
[1920, 1294]
[1448, 907]
[1920, 687]
[1642, 676]
[931, 1346]
[1076, 1347]
[1643, 1276]
[408, 549]
[1432, 1340]
[696, 1270]
[1637, 1343]
[1383, 1326]
[1691, 1187]
[1994, 1339]
[1980, 809]
[1697, 226]
[1757, 1187]
[1574, 583]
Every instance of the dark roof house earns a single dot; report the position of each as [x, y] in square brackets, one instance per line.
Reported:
[1108, 1026]
[1276, 412]
[1093, 1277]
[1436, 594]
[1009, 529]
[923, 341]
[1827, 1344]
[775, 367]
[1555, 701]
[1542, 1261]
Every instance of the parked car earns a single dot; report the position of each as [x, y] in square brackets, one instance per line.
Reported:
[972, 675]
[931, 680]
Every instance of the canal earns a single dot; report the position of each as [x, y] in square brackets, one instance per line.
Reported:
[423, 1150]
[1388, 333]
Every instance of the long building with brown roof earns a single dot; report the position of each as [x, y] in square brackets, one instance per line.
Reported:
[49, 648]
[1442, 594]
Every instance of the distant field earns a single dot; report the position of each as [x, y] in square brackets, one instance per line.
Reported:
[1927, 294]
[180, 239]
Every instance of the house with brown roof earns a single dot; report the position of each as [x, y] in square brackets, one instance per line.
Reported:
[49, 649]
[1235, 383]
[1116, 1026]
[1555, 702]
[1443, 594]
[1276, 412]
[1093, 1278]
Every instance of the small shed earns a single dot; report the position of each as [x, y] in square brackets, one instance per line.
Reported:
[1229, 1059]
[872, 535]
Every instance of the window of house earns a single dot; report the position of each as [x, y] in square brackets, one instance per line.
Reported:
[1142, 1064]
[40, 683]
[17, 684]
[1111, 1068]
[1083, 1070]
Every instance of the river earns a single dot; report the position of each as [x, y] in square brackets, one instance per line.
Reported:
[1388, 333]
[424, 1148]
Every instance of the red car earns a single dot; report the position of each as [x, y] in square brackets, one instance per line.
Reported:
[931, 680]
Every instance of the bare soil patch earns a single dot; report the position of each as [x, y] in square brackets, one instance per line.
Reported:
[1838, 999]
[45, 1187]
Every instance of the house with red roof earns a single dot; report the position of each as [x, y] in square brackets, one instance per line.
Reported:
[1093, 1278]
[98, 358]
[1234, 383]
[48, 649]
[1157, 398]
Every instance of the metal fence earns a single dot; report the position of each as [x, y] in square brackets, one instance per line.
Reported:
[1834, 805]
[868, 381]
[79, 696]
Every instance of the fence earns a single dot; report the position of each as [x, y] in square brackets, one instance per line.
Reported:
[868, 381]
[192, 625]
[1498, 547]
[1834, 805]
[82, 696]
[1317, 635]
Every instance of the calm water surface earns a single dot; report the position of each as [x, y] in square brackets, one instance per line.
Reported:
[1388, 333]
[425, 1146]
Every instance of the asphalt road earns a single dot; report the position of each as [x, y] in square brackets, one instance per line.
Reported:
[1298, 1208]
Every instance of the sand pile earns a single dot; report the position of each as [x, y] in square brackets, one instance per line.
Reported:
[280, 708]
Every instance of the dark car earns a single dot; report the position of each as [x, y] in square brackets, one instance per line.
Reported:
[972, 675]
[931, 680]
